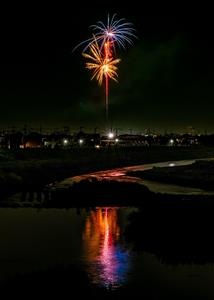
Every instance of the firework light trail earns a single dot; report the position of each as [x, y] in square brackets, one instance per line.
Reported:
[102, 49]
[116, 31]
[100, 65]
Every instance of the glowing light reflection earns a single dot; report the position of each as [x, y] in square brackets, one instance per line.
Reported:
[107, 260]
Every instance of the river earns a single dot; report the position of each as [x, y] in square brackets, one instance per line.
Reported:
[93, 240]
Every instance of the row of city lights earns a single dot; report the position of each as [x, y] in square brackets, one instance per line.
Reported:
[81, 141]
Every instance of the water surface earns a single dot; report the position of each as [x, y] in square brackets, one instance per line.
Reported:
[32, 240]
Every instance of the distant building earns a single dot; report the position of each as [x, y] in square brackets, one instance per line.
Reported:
[13, 140]
[32, 140]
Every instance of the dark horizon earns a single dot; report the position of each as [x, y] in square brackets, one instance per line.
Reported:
[165, 79]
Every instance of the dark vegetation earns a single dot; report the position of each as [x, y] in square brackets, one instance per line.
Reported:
[199, 175]
[32, 169]
[94, 193]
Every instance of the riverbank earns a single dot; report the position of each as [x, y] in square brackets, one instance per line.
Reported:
[198, 175]
[32, 169]
[106, 193]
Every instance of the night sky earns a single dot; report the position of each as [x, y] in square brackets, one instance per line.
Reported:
[165, 80]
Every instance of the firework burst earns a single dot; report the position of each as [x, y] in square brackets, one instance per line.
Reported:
[101, 66]
[102, 49]
[115, 31]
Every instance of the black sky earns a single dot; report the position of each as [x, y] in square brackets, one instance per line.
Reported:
[165, 80]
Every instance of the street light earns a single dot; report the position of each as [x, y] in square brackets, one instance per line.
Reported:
[110, 135]
[65, 141]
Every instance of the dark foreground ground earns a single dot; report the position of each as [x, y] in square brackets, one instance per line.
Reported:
[178, 230]
[198, 175]
[32, 169]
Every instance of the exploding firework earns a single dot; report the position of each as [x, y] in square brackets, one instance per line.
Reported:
[115, 31]
[101, 65]
[102, 49]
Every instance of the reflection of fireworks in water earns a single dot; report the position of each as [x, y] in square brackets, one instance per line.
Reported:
[115, 32]
[108, 263]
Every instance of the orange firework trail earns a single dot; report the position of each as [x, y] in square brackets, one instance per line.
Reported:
[107, 49]
[103, 66]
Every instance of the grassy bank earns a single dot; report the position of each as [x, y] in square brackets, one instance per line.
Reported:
[198, 175]
[31, 169]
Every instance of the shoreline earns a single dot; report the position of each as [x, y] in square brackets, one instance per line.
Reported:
[107, 194]
[31, 171]
[200, 175]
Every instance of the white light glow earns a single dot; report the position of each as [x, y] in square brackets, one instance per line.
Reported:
[110, 135]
